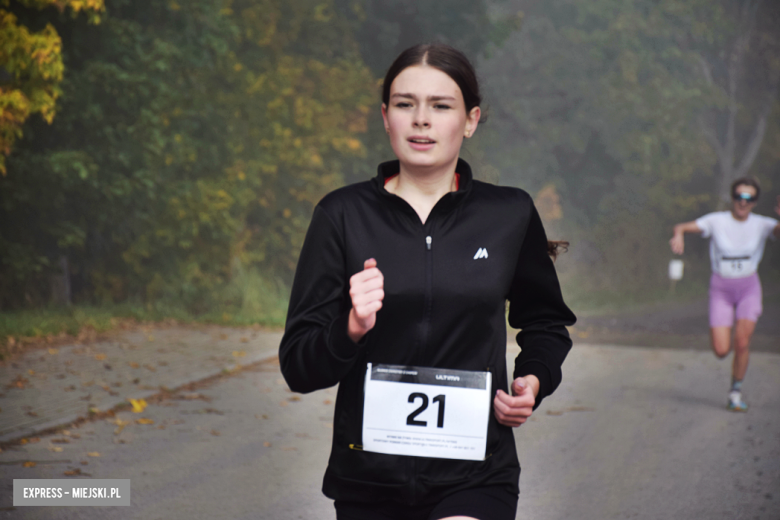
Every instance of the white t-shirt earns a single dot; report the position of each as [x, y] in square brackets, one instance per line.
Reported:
[736, 247]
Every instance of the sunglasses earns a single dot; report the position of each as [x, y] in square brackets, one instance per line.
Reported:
[747, 197]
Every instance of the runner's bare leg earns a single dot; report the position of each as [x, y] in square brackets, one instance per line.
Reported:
[721, 340]
[742, 336]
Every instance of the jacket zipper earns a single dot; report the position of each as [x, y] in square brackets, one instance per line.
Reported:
[425, 331]
[427, 311]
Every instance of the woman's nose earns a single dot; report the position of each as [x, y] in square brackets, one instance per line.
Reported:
[421, 119]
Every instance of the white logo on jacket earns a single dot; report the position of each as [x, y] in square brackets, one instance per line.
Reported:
[481, 253]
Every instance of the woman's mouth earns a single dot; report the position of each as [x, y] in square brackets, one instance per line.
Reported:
[421, 143]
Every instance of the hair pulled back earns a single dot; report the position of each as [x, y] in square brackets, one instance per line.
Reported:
[440, 56]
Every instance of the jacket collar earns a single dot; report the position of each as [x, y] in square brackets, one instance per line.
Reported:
[449, 200]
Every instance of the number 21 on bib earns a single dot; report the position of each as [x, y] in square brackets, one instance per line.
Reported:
[426, 412]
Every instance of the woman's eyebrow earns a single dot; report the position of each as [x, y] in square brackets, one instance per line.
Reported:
[430, 98]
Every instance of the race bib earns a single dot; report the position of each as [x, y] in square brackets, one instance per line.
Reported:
[735, 266]
[426, 412]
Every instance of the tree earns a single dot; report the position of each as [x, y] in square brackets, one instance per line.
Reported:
[31, 67]
[606, 100]
[744, 71]
[192, 143]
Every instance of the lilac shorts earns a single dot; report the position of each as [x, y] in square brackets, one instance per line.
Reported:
[726, 294]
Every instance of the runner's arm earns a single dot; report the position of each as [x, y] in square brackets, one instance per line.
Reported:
[677, 241]
[536, 306]
[316, 351]
[776, 231]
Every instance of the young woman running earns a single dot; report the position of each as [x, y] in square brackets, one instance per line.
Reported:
[399, 298]
[737, 239]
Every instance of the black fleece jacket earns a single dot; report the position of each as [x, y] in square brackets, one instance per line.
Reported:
[446, 284]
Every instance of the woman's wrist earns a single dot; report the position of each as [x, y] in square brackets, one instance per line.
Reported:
[354, 330]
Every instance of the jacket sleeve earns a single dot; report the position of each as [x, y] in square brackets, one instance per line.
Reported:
[536, 306]
[316, 351]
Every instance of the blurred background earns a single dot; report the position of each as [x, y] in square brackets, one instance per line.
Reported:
[161, 159]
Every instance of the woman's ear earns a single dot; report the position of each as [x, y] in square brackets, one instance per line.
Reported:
[384, 117]
[472, 121]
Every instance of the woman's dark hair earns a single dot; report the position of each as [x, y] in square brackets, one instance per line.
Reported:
[745, 181]
[440, 56]
[556, 247]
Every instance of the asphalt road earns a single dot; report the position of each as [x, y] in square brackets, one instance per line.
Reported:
[631, 433]
[681, 325]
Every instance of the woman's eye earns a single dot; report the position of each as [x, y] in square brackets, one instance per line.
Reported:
[441, 107]
[403, 104]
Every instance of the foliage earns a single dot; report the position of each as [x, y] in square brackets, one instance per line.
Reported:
[611, 107]
[31, 66]
[190, 142]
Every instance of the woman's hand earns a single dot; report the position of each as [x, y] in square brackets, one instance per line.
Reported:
[513, 410]
[366, 289]
[677, 242]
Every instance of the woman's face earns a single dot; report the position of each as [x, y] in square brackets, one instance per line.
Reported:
[426, 118]
[742, 203]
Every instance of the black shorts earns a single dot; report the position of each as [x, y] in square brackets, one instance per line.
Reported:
[484, 503]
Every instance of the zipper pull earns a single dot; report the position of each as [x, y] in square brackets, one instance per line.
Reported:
[428, 241]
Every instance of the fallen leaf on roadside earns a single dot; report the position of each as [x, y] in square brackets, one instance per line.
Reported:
[19, 382]
[76, 471]
[29, 464]
[191, 395]
[100, 357]
[150, 367]
[289, 448]
[93, 454]
[223, 336]
[133, 364]
[33, 440]
[283, 403]
[144, 420]
[138, 405]
[215, 433]
[55, 449]
[327, 401]
[244, 340]
[53, 351]
[60, 441]
[239, 353]
[295, 398]
[267, 444]
[120, 425]
[580, 409]
[150, 338]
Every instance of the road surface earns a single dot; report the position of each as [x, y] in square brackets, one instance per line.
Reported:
[635, 433]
